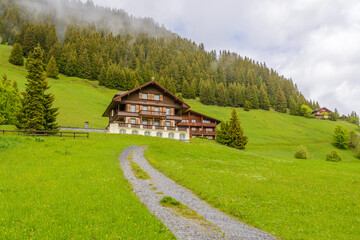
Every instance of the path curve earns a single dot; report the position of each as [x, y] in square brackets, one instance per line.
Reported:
[152, 190]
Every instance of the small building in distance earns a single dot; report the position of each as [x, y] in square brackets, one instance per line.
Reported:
[319, 112]
[199, 124]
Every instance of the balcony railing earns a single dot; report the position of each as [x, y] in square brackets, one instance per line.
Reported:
[154, 127]
[203, 132]
[152, 113]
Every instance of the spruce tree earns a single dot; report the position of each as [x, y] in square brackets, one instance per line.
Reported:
[16, 56]
[294, 108]
[36, 107]
[84, 67]
[52, 70]
[264, 102]
[222, 98]
[231, 133]
[185, 91]
[247, 106]
[280, 101]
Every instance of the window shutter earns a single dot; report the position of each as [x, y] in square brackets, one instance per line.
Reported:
[140, 95]
[137, 108]
[128, 107]
[137, 121]
[172, 123]
[127, 120]
[172, 111]
[161, 97]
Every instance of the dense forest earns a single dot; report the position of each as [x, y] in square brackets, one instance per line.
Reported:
[122, 52]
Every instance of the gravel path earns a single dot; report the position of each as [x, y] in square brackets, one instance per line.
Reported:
[214, 225]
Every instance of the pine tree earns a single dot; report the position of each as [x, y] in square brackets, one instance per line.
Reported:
[294, 108]
[52, 70]
[264, 102]
[280, 101]
[222, 97]
[36, 107]
[84, 67]
[186, 91]
[231, 133]
[16, 56]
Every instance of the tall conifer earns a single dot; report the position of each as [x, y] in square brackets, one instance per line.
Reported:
[52, 70]
[36, 111]
[16, 56]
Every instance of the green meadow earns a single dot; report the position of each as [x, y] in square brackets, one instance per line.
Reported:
[74, 188]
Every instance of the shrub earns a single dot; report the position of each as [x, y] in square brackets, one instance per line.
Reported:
[16, 56]
[302, 153]
[341, 137]
[306, 111]
[333, 157]
[354, 140]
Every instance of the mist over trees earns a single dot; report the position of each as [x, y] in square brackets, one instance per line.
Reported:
[123, 52]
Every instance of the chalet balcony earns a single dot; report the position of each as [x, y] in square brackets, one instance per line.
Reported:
[152, 127]
[202, 132]
[174, 117]
[197, 124]
[152, 114]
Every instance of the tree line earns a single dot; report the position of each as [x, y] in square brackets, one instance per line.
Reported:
[126, 61]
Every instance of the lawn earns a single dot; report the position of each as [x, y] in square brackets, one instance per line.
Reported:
[70, 189]
[290, 198]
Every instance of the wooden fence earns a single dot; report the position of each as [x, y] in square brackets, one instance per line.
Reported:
[45, 133]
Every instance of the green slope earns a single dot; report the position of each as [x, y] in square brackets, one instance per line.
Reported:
[79, 100]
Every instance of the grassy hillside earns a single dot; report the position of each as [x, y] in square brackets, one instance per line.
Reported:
[79, 100]
[63, 189]
[263, 186]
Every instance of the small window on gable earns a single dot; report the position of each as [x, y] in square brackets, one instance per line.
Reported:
[144, 96]
[157, 97]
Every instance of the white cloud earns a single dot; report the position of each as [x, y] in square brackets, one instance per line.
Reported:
[315, 42]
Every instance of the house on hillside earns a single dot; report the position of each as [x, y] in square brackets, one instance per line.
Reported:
[319, 112]
[152, 110]
[199, 124]
[149, 110]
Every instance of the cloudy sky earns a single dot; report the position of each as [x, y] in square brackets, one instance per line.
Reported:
[314, 42]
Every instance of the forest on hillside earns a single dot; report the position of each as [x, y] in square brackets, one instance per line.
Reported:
[122, 52]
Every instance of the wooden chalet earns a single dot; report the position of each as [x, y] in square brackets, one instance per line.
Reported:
[149, 110]
[318, 112]
[199, 124]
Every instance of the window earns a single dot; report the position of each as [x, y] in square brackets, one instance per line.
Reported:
[185, 121]
[156, 123]
[159, 134]
[206, 121]
[145, 108]
[168, 111]
[156, 109]
[132, 108]
[209, 129]
[147, 133]
[157, 97]
[134, 132]
[132, 120]
[144, 96]
[122, 131]
[145, 122]
[171, 135]
[182, 136]
[168, 123]
[193, 129]
[193, 121]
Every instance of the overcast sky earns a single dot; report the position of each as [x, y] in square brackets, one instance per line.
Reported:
[314, 42]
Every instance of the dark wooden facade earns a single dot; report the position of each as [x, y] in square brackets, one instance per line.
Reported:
[199, 124]
[148, 105]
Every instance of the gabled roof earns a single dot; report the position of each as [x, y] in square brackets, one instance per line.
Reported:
[119, 95]
[200, 114]
[147, 84]
[323, 108]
